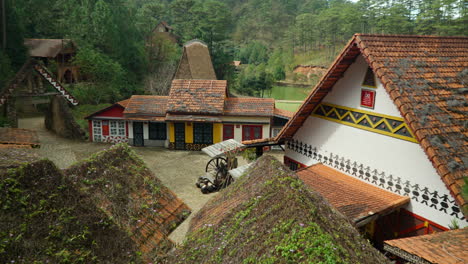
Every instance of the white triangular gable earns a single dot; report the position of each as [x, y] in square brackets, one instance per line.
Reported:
[384, 160]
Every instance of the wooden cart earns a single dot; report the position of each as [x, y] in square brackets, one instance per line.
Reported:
[223, 161]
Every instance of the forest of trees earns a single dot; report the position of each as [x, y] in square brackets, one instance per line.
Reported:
[266, 34]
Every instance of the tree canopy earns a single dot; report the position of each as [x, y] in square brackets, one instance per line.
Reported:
[111, 34]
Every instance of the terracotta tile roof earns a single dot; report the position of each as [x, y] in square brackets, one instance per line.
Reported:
[18, 136]
[123, 103]
[193, 118]
[426, 77]
[283, 113]
[47, 48]
[197, 96]
[235, 106]
[195, 62]
[256, 141]
[146, 105]
[146, 118]
[447, 247]
[354, 198]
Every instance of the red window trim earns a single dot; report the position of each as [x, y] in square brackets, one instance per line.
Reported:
[251, 131]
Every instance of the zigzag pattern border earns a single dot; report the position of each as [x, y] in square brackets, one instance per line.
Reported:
[383, 124]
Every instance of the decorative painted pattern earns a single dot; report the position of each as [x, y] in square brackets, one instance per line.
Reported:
[46, 75]
[383, 124]
[115, 139]
[189, 146]
[417, 193]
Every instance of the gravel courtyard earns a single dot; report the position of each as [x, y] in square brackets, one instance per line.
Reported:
[178, 170]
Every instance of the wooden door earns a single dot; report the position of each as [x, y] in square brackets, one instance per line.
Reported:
[179, 136]
[138, 140]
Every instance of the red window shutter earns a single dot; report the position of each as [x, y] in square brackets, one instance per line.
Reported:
[105, 127]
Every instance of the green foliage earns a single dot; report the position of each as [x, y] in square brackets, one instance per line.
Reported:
[6, 72]
[254, 80]
[99, 67]
[253, 53]
[249, 154]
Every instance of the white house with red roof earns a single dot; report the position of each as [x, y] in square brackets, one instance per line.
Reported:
[390, 112]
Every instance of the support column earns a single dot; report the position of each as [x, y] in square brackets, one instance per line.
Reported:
[11, 114]
[259, 151]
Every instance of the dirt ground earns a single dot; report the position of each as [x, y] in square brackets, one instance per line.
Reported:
[178, 170]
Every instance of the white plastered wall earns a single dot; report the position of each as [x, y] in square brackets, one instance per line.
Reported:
[397, 157]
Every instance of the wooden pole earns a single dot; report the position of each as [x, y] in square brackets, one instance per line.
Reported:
[4, 25]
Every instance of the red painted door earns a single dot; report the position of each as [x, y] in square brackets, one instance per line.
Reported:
[105, 127]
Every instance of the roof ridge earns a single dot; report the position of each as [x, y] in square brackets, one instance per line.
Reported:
[409, 36]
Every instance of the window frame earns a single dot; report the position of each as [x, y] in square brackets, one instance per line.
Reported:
[206, 130]
[251, 132]
[159, 133]
[97, 131]
[230, 128]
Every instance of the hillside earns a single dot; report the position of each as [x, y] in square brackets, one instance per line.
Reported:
[270, 216]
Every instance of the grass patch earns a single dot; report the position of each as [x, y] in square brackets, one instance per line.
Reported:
[319, 57]
[288, 93]
[290, 106]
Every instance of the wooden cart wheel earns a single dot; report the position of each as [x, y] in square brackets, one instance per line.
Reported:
[215, 164]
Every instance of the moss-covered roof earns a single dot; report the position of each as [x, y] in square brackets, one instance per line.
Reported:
[121, 185]
[46, 219]
[270, 216]
[109, 208]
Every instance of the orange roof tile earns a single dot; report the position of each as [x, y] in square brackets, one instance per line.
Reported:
[145, 118]
[447, 247]
[249, 106]
[354, 198]
[197, 96]
[283, 113]
[123, 103]
[426, 77]
[146, 105]
[193, 118]
[18, 136]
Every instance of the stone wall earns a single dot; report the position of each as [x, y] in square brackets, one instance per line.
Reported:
[59, 118]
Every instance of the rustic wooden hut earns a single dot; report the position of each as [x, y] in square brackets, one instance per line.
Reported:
[61, 51]
[195, 62]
